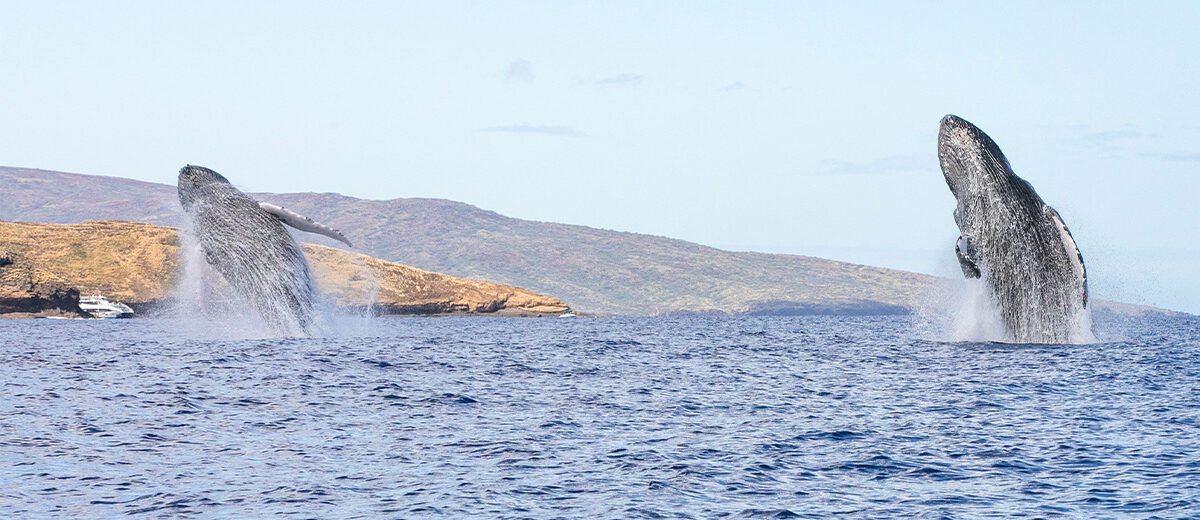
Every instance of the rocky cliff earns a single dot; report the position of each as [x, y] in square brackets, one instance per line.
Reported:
[43, 267]
[26, 291]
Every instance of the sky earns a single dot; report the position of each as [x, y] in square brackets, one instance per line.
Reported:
[790, 127]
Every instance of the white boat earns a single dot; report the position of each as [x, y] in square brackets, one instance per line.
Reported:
[568, 314]
[99, 306]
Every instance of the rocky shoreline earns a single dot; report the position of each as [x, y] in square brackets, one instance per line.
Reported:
[26, 293]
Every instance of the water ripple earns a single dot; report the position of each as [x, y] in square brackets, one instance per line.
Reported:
[617, 418]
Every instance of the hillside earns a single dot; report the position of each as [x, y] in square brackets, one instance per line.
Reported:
[62, 198]
[594, 270]
[139, 264]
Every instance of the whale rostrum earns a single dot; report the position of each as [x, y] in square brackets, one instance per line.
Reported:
[245, 241]
[1013, 241]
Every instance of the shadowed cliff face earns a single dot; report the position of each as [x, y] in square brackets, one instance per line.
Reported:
[26, 290]
[139, 264]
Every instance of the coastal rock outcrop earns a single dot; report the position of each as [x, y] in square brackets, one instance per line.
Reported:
[43, 265]
[26, 291]
[400, 289]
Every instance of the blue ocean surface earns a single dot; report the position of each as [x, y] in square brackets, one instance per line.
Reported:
[701, 417]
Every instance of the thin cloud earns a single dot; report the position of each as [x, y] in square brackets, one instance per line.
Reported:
[1113, 142]
[551, 130]
[883, 166]
[1122, 142]
[737, 85]
[625, 78]
[519, 70]
[1168, 156]
[1108, 139]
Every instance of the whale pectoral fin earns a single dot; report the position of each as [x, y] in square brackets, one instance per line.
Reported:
[302, 222]
[966, 257]
[1073, 254]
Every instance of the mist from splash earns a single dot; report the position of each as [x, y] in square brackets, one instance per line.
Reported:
[956, 310]
[964, 310]
[354, 318]
[206, 307]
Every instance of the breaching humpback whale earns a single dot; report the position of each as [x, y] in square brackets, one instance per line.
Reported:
[1011, 239]
[245, 241]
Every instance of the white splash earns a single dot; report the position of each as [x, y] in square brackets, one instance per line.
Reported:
[204, 305]
[963, 310]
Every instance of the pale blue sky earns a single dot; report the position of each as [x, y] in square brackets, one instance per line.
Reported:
[781, 127]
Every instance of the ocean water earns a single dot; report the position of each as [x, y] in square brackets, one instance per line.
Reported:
[608, 418]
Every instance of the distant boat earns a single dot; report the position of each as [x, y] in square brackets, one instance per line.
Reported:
[99, 306]
[568, 314]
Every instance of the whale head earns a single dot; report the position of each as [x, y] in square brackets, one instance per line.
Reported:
[969, 158]
[192, 179]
